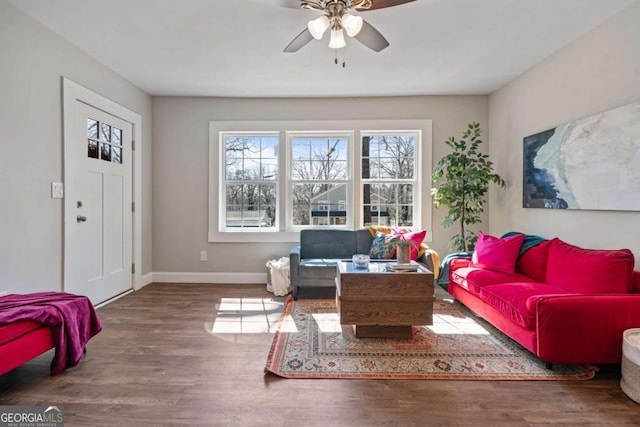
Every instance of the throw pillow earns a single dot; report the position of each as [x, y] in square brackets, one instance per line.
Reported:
[373, 229]
[533, 262]
[497, 254]
[384, 246]
[416, 237]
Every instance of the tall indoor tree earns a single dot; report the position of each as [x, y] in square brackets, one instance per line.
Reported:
[461, 181]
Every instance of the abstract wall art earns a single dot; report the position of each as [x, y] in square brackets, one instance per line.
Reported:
[592, 163]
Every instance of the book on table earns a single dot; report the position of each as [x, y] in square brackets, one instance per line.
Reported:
[394, 266]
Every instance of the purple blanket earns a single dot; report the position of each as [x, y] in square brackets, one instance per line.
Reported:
[72, 318]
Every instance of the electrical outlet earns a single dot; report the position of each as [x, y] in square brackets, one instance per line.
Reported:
[203, 255]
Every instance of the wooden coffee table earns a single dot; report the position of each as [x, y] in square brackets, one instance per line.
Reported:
[381, 303]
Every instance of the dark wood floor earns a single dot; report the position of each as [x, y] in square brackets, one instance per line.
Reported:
[158, 362]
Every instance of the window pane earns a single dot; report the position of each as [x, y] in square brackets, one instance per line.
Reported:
[106, 152]
[116, 155]
[92, 128]
[319, 159]
[92, 148]
[319, 204]
[251, 169]
[250, 205]
[251, 157]
[105, 132]
[233, 165]
[116, 136]
[388, 204]
[388, 156]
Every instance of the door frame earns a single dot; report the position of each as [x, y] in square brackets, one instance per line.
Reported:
[72, 93]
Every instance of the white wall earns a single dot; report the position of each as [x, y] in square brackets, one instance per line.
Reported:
[32, 63]
[596, 73]
[180, 166]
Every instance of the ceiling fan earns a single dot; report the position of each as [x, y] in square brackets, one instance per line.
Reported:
[337, 16]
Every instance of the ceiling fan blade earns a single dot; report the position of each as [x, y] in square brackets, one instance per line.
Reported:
[300, 41]
[380, 4]
[371, 38]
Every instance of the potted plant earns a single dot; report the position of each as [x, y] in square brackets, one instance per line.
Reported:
[461, 180]
[403, 250]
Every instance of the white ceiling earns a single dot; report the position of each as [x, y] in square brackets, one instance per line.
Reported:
[234, 47]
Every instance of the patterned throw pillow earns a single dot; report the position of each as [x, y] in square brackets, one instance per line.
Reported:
[384, 246]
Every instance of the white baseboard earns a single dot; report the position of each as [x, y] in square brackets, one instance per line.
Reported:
[233, 278]
[144, 281]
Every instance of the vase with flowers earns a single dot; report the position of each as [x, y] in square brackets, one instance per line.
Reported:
[403, 250]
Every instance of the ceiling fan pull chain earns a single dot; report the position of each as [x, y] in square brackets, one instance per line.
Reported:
[344, 62]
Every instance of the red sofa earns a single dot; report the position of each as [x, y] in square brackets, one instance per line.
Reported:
[21, 342]
[31, 324]
[565, 304]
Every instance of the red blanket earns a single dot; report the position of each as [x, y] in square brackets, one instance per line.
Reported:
[72, 318]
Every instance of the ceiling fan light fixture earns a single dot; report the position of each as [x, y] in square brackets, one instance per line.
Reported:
[337, 39]
[352, 24]
[318, 26]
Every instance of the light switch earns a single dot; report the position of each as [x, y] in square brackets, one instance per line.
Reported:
[57, 190]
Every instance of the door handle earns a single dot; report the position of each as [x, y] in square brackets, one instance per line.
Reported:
[81, 218]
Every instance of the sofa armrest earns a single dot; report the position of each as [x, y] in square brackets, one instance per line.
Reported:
[294, 263]
[431, 261]
[450, 263]
[579, 328]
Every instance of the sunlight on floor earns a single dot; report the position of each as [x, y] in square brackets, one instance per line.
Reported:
[261, 315]
[245, 316]
[327, 322]
[288, 325]
[451, 325]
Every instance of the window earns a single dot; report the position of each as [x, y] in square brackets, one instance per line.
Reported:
[250, 181]
[388, 178]
[319, 170]
[104, 141]
[270, 179]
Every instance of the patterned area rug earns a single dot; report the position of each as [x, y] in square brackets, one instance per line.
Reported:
[311, 343]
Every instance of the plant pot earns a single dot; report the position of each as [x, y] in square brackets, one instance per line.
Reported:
[403, 254]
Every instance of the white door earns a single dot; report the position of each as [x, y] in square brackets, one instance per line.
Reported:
[98, 214]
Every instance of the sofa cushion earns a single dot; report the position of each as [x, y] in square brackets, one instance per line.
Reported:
[319, 262]
[497, 254]
[363, 241]
[414, 236]
[518, 301]
[384, 246]
[589, 271]
[533, 262]
[473, 279]
[317, 273]
[327, 243]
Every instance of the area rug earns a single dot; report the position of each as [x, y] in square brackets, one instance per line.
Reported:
[311, 343]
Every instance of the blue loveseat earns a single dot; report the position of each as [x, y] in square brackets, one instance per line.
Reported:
[313, 262]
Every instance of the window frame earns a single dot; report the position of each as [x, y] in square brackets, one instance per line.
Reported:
[415, 180]
[348, 180]
[423, 211]
[222, 226]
